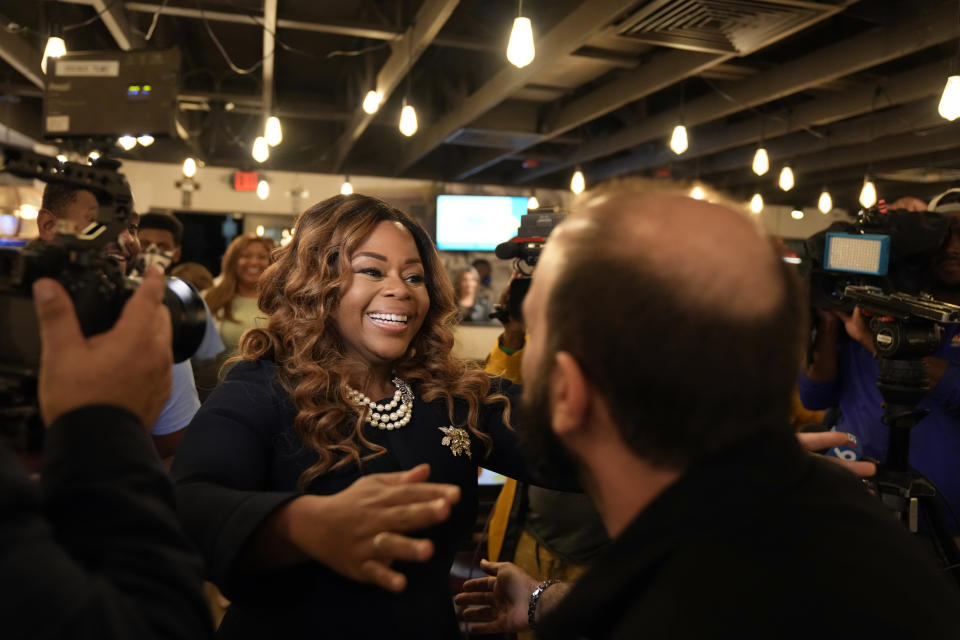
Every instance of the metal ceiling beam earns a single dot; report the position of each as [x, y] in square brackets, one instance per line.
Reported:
[251, 104]
[915, 116]
[22, 56]
[567, 36]
[844, 184]
[660, 72]
[114, 17]
[942, 138]
[431, 17]
[654, 75]
[22, 90]
[899, 89]
[921, 30]
[354, 29]
[340, 28]
[269, 54]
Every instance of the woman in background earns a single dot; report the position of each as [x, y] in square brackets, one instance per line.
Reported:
[473, 307]
[233, 302]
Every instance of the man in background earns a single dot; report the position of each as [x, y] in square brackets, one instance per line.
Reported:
[161, 237]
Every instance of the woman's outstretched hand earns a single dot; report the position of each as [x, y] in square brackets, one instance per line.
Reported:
[358, 532]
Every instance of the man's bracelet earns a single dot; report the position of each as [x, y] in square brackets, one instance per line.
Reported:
[535, 599]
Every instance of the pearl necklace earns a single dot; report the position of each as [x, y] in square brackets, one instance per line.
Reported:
[392, 415]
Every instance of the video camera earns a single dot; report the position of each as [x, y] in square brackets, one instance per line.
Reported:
[524, 249]
[96, 284]
[890, 250]
[882, 264]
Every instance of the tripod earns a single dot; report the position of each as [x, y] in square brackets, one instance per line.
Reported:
[903, 382]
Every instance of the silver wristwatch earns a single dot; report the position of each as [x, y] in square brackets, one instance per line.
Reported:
[534, 599]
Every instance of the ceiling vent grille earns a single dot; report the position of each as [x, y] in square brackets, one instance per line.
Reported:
[719, 26]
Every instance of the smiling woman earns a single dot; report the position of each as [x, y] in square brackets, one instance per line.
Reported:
[297, 485]
[233, 302]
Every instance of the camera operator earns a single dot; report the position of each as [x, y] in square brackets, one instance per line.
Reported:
[96, 550]
[79, 207]
[843, 373]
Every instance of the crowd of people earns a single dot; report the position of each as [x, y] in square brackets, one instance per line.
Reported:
[330, 475]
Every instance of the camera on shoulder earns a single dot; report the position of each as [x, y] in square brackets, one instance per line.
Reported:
[97, 285]
[524, 249]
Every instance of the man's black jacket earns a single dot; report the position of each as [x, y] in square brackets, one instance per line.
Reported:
[95, 550]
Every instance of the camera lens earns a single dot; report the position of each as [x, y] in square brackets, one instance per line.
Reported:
[187, 317]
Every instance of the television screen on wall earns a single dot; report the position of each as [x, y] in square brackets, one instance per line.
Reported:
[477, 223]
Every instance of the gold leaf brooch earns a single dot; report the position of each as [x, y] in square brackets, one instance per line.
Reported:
[457, 439]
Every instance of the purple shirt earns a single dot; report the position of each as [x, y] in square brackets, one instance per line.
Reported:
[934, 441]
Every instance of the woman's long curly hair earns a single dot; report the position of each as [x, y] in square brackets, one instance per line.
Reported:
[220, 297]
[301, 291]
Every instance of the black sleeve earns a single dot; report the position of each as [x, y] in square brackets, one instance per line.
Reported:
[221, 471]
[505, 457]
[96, 550]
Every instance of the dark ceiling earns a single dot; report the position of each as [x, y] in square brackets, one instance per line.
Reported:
[837, 88]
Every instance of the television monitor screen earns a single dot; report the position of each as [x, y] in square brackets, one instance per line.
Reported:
[477, 223]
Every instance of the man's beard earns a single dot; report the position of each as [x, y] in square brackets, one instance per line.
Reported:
[546, 456]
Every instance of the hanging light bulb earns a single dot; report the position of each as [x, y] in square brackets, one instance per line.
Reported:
[260, 230]
[825, 203]
[273, 133]
[796, 214]
[261, 149]
[408, 119]
[263, 192]
[578, 183]
[145, 140]
[786, 178]
[55, 48]
[93, 156]
[950, 100]
[127, 142]
[756, 203]
[189, 168]
[761, 161]
[697, 193]
[346, 188]
[533, 203]
[678, 139]
[61, 158]
[371, 102]
[868, 195]
[520, 49]
[28, 212]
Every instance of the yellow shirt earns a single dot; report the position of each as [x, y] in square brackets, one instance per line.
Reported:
[247, 316]
[504, 365]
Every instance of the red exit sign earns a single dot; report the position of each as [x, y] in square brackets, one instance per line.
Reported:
[245, 180]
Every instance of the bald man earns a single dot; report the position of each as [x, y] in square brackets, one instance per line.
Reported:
[664, 335]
